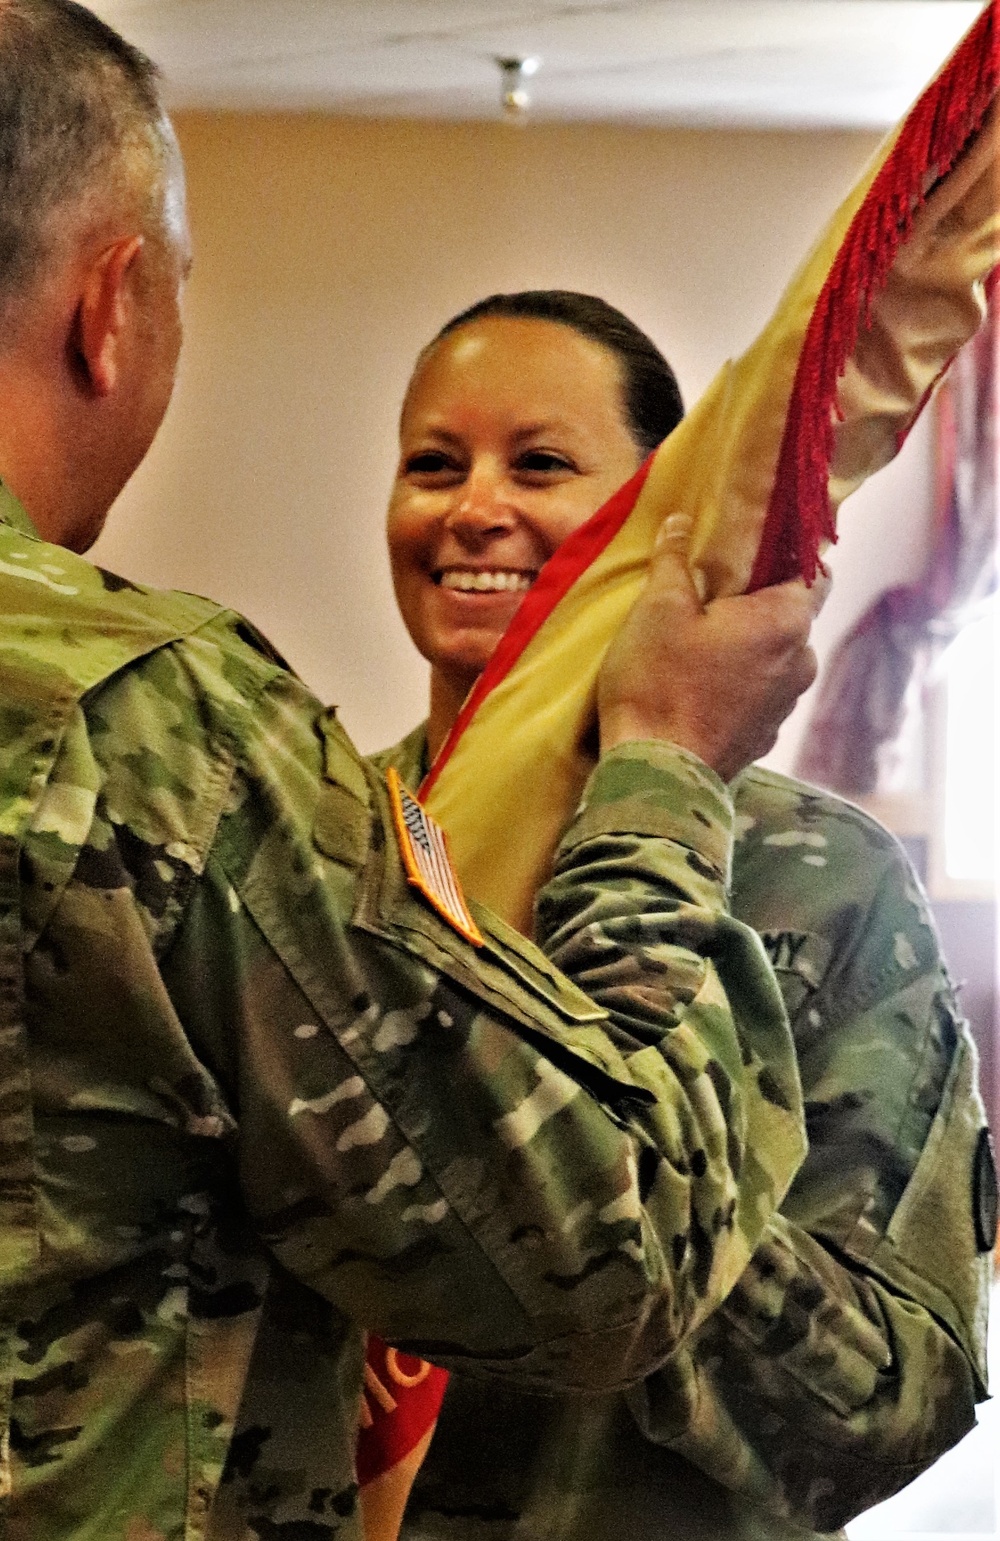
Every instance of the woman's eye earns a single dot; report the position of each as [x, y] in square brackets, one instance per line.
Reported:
[542, 462]
[429, 462]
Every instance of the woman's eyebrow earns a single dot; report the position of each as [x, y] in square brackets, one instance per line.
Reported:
[544, 426]
[439, 435]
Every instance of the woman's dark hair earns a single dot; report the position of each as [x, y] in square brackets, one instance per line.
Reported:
[652, 398]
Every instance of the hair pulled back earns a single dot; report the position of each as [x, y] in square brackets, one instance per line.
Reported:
[77, 104]
[651, 395]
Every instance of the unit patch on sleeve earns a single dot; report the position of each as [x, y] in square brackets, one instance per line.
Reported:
[423, 846]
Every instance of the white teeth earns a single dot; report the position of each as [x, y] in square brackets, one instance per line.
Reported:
[485, 582]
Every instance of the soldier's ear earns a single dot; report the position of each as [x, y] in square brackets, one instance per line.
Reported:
[102, 314]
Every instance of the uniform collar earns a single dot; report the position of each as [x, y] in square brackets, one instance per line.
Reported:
[12, 513]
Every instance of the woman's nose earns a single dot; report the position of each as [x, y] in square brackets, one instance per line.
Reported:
[481, 505]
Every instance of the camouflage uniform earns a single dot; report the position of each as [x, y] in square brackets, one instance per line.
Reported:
[851, 1351]
[258, 1096]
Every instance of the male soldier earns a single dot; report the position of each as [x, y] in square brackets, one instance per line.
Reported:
[260, 1091]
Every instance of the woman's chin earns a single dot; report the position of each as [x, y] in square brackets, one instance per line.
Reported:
[466, 650]
[455, 673]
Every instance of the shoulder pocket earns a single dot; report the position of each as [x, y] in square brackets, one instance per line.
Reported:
[342, 826]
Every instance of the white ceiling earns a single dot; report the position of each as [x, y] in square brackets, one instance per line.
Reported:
[782, 63]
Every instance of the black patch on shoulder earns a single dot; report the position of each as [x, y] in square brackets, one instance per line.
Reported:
[985, 1200]
[131, 862]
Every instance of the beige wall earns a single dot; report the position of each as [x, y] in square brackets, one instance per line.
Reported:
[327, 251]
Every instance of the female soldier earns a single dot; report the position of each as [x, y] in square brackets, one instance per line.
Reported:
[851, 1352]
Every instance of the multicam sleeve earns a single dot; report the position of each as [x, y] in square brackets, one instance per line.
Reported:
[637, 913]
[850, 1354]
[453, 1144]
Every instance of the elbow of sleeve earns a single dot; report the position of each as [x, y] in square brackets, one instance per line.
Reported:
[844, 1454]
[917, 1413]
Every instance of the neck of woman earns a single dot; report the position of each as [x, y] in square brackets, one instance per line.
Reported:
[447, 696]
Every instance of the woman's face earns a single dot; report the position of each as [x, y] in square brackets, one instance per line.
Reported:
[513, 433]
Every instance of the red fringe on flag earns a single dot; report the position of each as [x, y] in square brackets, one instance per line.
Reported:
[940, 126]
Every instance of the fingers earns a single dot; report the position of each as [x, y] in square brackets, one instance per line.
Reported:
[674, 531]
[789, 609]
[715, 677]
[812, 596]
[669, 578]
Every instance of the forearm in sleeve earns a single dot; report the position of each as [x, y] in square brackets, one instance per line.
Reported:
[637, 915]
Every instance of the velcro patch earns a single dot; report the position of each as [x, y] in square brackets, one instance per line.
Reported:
[423, 846]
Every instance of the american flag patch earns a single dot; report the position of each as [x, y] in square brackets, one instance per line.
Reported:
[423, 845]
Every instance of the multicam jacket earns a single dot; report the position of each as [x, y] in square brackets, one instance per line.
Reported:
[851, 1352]
[259, 1096]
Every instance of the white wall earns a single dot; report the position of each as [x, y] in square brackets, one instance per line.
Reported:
[328, 251]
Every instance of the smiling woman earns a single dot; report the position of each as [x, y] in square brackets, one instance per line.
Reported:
[522, 417]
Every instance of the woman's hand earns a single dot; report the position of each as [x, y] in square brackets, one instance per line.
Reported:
[717, 679]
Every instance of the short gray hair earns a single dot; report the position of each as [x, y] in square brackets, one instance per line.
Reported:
[77, 106]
